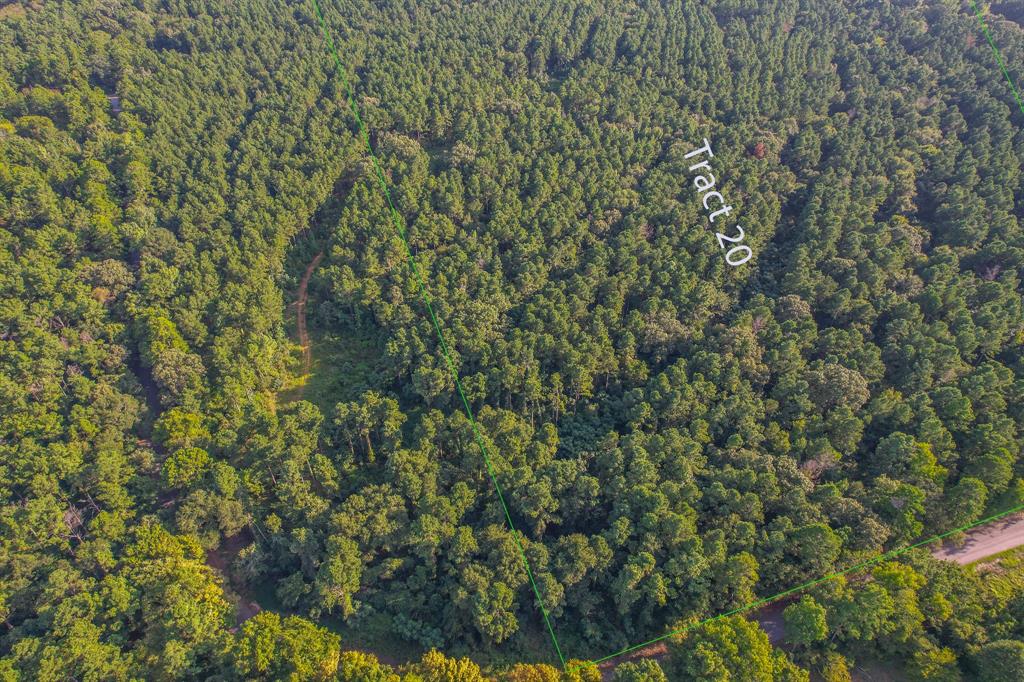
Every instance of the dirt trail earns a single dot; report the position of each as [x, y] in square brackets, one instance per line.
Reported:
[980, 543]
[657, 651]
[300, 313]
[984, 541]
[220, 560]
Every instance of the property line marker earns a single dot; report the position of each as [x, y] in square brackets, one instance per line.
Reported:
[998, 55]
[767, 600]
[424, 294]
[397, 219]
[882, 557]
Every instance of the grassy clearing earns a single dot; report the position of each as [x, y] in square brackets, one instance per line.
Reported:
[373, 632]
[12, 11]
[1014, 557]
[1003, 573]
[344, 367]
[873, 671]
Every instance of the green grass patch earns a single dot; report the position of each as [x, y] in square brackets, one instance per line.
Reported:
[345, 365]
[1003, 573]
[1010, 559]
[372, 633]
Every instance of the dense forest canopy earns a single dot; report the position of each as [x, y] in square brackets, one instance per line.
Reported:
[675, 436]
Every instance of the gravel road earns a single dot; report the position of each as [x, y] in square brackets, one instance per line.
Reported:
[984, 541]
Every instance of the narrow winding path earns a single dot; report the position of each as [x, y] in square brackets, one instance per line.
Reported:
[980, 543]
[221, 558]
[300, 313]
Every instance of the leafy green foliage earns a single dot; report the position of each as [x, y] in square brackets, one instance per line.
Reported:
[674, 437]
[729, 649]
[805, 622]
[1001, 660]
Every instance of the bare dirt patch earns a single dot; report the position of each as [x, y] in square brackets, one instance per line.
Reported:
[301, 299]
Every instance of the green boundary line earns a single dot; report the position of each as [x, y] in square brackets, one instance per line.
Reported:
[767, 600]
[998, 56]
[882, 557]
[397, 219]
[433, 318]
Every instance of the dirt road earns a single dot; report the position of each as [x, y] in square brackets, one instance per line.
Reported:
[300, 313]
[981, 542]
[984, 541]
